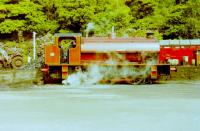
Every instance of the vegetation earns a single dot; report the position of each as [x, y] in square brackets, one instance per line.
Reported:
[169, 19]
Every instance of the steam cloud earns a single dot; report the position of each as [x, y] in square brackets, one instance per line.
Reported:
[114, 70]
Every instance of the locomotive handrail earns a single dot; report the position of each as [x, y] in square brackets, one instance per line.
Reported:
[107, 64]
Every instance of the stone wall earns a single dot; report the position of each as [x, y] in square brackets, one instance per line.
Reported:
[15, 77]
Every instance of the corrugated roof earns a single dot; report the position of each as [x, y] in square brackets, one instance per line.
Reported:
[180, 42]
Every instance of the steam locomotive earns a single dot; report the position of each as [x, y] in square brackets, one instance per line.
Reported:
[132, 60]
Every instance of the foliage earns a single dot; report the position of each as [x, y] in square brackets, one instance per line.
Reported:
[9, 26]
[169, 19]
[113, 15]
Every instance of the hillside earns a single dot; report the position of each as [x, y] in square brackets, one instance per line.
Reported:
[168, 19]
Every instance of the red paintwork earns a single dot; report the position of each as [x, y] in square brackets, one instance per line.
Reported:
[166, 52]
[177, 53]
[96, 49]
[92, 57]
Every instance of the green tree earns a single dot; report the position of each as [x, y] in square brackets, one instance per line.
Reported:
[183, 21]
[73, 15]
[112, 13]
[168, 18]
[24, 16]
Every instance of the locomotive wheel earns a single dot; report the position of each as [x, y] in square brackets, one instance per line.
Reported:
[48, 79]
[121, 81]
[17, 62]
[138, 81]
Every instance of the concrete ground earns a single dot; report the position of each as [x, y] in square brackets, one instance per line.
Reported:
[160, 107]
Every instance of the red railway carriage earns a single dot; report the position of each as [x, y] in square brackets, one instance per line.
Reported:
[179, 52]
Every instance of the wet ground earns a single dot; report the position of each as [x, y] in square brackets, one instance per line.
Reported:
[159, 107]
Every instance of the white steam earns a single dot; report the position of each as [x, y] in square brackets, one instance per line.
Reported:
[116, 68]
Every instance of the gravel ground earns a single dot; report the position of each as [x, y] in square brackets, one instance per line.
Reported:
[160, 107]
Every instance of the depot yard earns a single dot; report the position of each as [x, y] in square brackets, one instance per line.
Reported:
[173, 106]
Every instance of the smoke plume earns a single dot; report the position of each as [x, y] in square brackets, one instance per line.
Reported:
[115, 70]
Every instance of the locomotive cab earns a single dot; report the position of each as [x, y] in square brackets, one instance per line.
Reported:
[65, 50]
